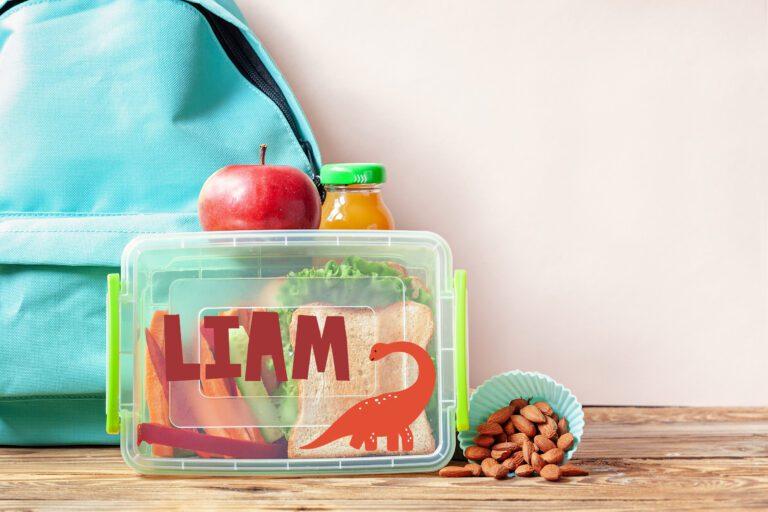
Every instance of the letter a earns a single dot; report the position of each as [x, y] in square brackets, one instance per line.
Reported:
[265, 340]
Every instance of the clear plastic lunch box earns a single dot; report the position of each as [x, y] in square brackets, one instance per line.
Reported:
[298, 352]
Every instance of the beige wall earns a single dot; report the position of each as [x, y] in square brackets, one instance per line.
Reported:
[599, 167]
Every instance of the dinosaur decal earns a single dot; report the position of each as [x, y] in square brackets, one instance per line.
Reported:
[388, 414]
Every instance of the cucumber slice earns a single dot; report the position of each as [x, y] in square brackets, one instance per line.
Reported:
[254, 391]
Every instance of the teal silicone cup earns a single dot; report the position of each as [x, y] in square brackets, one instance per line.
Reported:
[496, 392]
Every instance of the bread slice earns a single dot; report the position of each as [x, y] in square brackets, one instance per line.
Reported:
[322, 399]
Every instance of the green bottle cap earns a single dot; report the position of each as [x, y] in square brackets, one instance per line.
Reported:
[352, 174]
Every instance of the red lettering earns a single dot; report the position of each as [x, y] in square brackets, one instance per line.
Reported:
[309, 339]
[265, 340]
[175, 367]
[222, 367]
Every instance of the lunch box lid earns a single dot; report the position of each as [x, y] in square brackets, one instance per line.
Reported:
[381, 310]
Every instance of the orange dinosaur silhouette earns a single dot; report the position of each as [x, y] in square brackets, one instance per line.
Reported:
[388, 414]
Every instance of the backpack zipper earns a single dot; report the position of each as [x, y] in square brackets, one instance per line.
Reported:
[10, 4]
[247, 61]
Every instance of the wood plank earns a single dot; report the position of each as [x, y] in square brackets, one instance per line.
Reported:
[640, 459]
[675, 441]
[346, 504]
[640, 480]
[656, 439]
[654, 415]
[662, 432]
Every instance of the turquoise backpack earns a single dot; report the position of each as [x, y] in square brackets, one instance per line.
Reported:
[112, 115]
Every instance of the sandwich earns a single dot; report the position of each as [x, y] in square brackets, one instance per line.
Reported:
[322, 399]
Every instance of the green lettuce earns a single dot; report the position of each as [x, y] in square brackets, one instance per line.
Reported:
[338, 284]
[254, 391]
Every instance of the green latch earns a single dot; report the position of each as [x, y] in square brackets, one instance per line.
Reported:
[113, 353]
[460, 315]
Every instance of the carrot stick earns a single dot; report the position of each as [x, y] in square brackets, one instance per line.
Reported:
[155, 381]
[157, 386]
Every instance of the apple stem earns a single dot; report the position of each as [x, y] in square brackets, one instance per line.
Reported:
[263, 154]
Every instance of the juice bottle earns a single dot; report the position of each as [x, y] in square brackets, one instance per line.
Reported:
[353, 197]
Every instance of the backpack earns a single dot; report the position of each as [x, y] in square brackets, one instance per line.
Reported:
[112, 115]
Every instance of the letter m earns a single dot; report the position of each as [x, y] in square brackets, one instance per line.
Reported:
[309, 339]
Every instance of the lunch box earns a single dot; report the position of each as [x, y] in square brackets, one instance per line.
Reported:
[287, 352]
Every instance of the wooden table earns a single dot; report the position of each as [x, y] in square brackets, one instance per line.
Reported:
[639, 458]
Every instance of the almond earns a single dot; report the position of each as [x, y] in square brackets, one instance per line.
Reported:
[474, 468]
[517, 404]
[501, 472]
[493, 469]
[553, 456]
[572, 470]
[562, 427]
[500, 416]
[484, 440]
[517, 459]
[518, 438]
[543, 443]
[555, 416]
[528, 449]
[548, 430]
[500, 438]
[477, 453]
[506, 446]
[487, 466]
[509, 428]
[489, 428]
[524, 470]
[565, 442]
[455, 471]
[536, 462]
[533, 414]
[524, 425]
[550, 472]
[545, 409]
[501, 455]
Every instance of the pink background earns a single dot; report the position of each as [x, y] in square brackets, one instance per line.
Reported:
[599, 167]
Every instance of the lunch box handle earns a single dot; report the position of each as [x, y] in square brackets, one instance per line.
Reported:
[460, 353]
[113, 353]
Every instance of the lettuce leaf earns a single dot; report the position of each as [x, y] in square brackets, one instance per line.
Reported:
[335, 283]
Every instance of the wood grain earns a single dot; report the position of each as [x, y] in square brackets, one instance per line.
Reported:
[639, 459]
[679, 415]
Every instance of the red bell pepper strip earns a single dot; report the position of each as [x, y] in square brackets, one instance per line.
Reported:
[156, 434]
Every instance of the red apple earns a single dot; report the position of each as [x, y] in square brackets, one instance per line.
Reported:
[238, 197]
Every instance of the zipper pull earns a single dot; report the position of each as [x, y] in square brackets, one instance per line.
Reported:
[314, 167]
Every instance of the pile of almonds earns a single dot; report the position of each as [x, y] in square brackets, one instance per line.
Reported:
[525, 438]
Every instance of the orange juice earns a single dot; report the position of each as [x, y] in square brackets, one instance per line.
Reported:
[353, 197]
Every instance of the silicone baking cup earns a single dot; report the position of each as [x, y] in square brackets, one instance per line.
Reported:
[499, 390]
